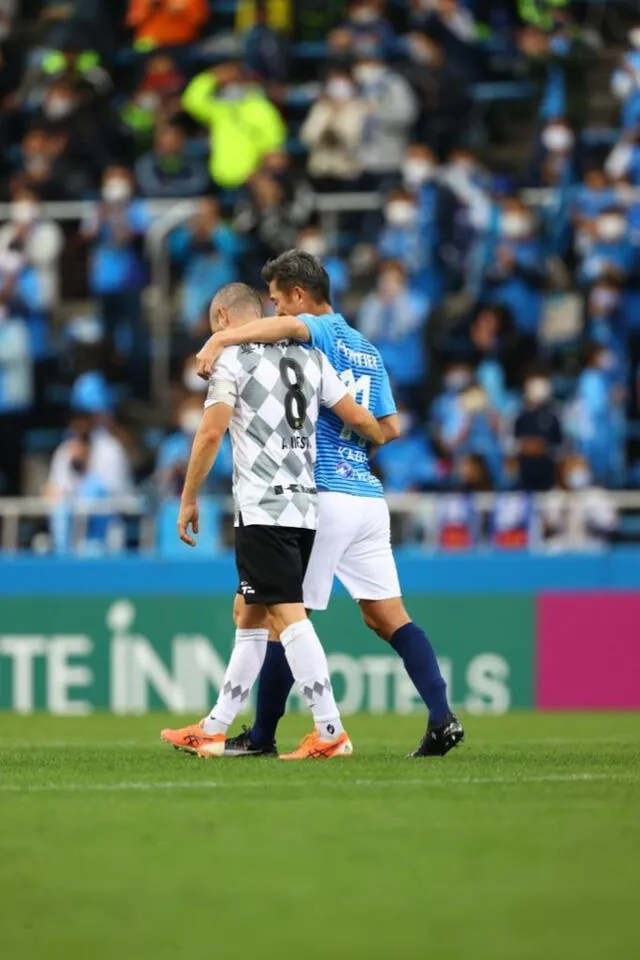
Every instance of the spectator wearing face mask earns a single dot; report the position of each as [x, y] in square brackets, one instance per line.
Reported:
[207, 251]
[579, 514]
[166, 23]
[366, 27]
[595, 420]
[333, 132]
[624, 159]
[412, 465]
[244, 125]
[625, 82]
[515, 275]
[168, 170]
[488, 340]
[106, 459]
[16, 391]
[537, 435]
[88, 131]
[394, 318]
[46, 166]
[604, 322]
[312, 240]
[403, 239]
[469, 184]
[556, 153]
[463, 421]
[38, 240]
[441, 88]
[117, 273]
[391, 110]
[175, 449]
[611, 254]
[589, 199]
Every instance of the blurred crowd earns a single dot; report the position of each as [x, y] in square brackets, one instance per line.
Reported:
[502, 290]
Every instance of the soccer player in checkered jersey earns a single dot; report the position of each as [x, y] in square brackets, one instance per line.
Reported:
[353, 540]
[269, 396]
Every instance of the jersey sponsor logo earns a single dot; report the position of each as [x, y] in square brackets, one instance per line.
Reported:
[358, 357]
[345, 470]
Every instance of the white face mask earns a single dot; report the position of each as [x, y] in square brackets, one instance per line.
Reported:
[602, 300]
[515, 225]
[634, 37]
[233, 91]
[59, 107]
[457, 380]
[611, 227]
[364, 15]
[606, 361]
[622, 84]
[193, 382]
[315, 245]
[416, 171]
[419, 52]
[189, 420]
[148, 101]
[116, 190]
[368, 74]
[24, 211]
[339, 89]
[557, 139]
[578, 478]
[400, 213]
[538, 390]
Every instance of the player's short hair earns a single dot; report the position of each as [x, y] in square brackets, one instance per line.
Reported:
[295, 268]
[236, 297]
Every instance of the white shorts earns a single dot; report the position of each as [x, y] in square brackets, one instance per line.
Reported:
[353, 543]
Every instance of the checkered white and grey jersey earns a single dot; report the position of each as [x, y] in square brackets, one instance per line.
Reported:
[276, 391]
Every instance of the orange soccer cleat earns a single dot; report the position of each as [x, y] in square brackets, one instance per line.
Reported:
[193, 739]
[313, 748]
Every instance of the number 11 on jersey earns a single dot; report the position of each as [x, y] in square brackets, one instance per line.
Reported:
[360, 390]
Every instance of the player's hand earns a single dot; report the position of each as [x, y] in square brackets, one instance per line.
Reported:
[189, 516]
[208, 357]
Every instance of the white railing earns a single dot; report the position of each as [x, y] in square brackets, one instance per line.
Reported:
[414, 511]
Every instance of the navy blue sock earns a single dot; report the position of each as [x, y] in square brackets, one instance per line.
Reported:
[274, 687]
[413, 646]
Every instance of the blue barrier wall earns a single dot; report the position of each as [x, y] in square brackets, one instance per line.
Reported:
[477, 573]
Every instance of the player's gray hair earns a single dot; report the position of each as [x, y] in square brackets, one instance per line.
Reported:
[237, 297]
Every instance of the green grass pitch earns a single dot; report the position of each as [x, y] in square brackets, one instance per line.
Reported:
[523, 844]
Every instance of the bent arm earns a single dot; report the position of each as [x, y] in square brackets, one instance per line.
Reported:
[267, 330]
[390, 427]
[359, 419]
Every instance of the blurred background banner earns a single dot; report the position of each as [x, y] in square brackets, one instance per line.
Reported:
[128, 642]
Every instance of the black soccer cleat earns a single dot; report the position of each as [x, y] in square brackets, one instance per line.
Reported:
[244, 746]
[437, 741]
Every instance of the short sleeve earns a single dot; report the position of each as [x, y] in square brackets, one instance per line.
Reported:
[385, 404]
[223, 386]
[320, 330]
[333, 389]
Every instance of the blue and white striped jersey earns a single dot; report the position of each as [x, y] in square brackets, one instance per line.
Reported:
[342, 462]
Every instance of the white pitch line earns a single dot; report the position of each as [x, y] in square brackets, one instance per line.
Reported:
[144, 785]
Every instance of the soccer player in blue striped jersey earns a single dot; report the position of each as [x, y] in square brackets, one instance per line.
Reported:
[353, 541]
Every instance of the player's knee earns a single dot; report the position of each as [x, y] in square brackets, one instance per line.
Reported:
[384, 617]
[249, 617]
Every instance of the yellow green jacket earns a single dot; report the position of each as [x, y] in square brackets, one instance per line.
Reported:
[242, 131]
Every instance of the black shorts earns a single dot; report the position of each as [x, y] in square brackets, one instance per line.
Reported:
[272, 562]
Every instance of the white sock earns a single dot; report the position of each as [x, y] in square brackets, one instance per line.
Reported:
[310, 670]
[244, 666]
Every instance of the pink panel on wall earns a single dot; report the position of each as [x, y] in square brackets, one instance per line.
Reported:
[588, 651]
